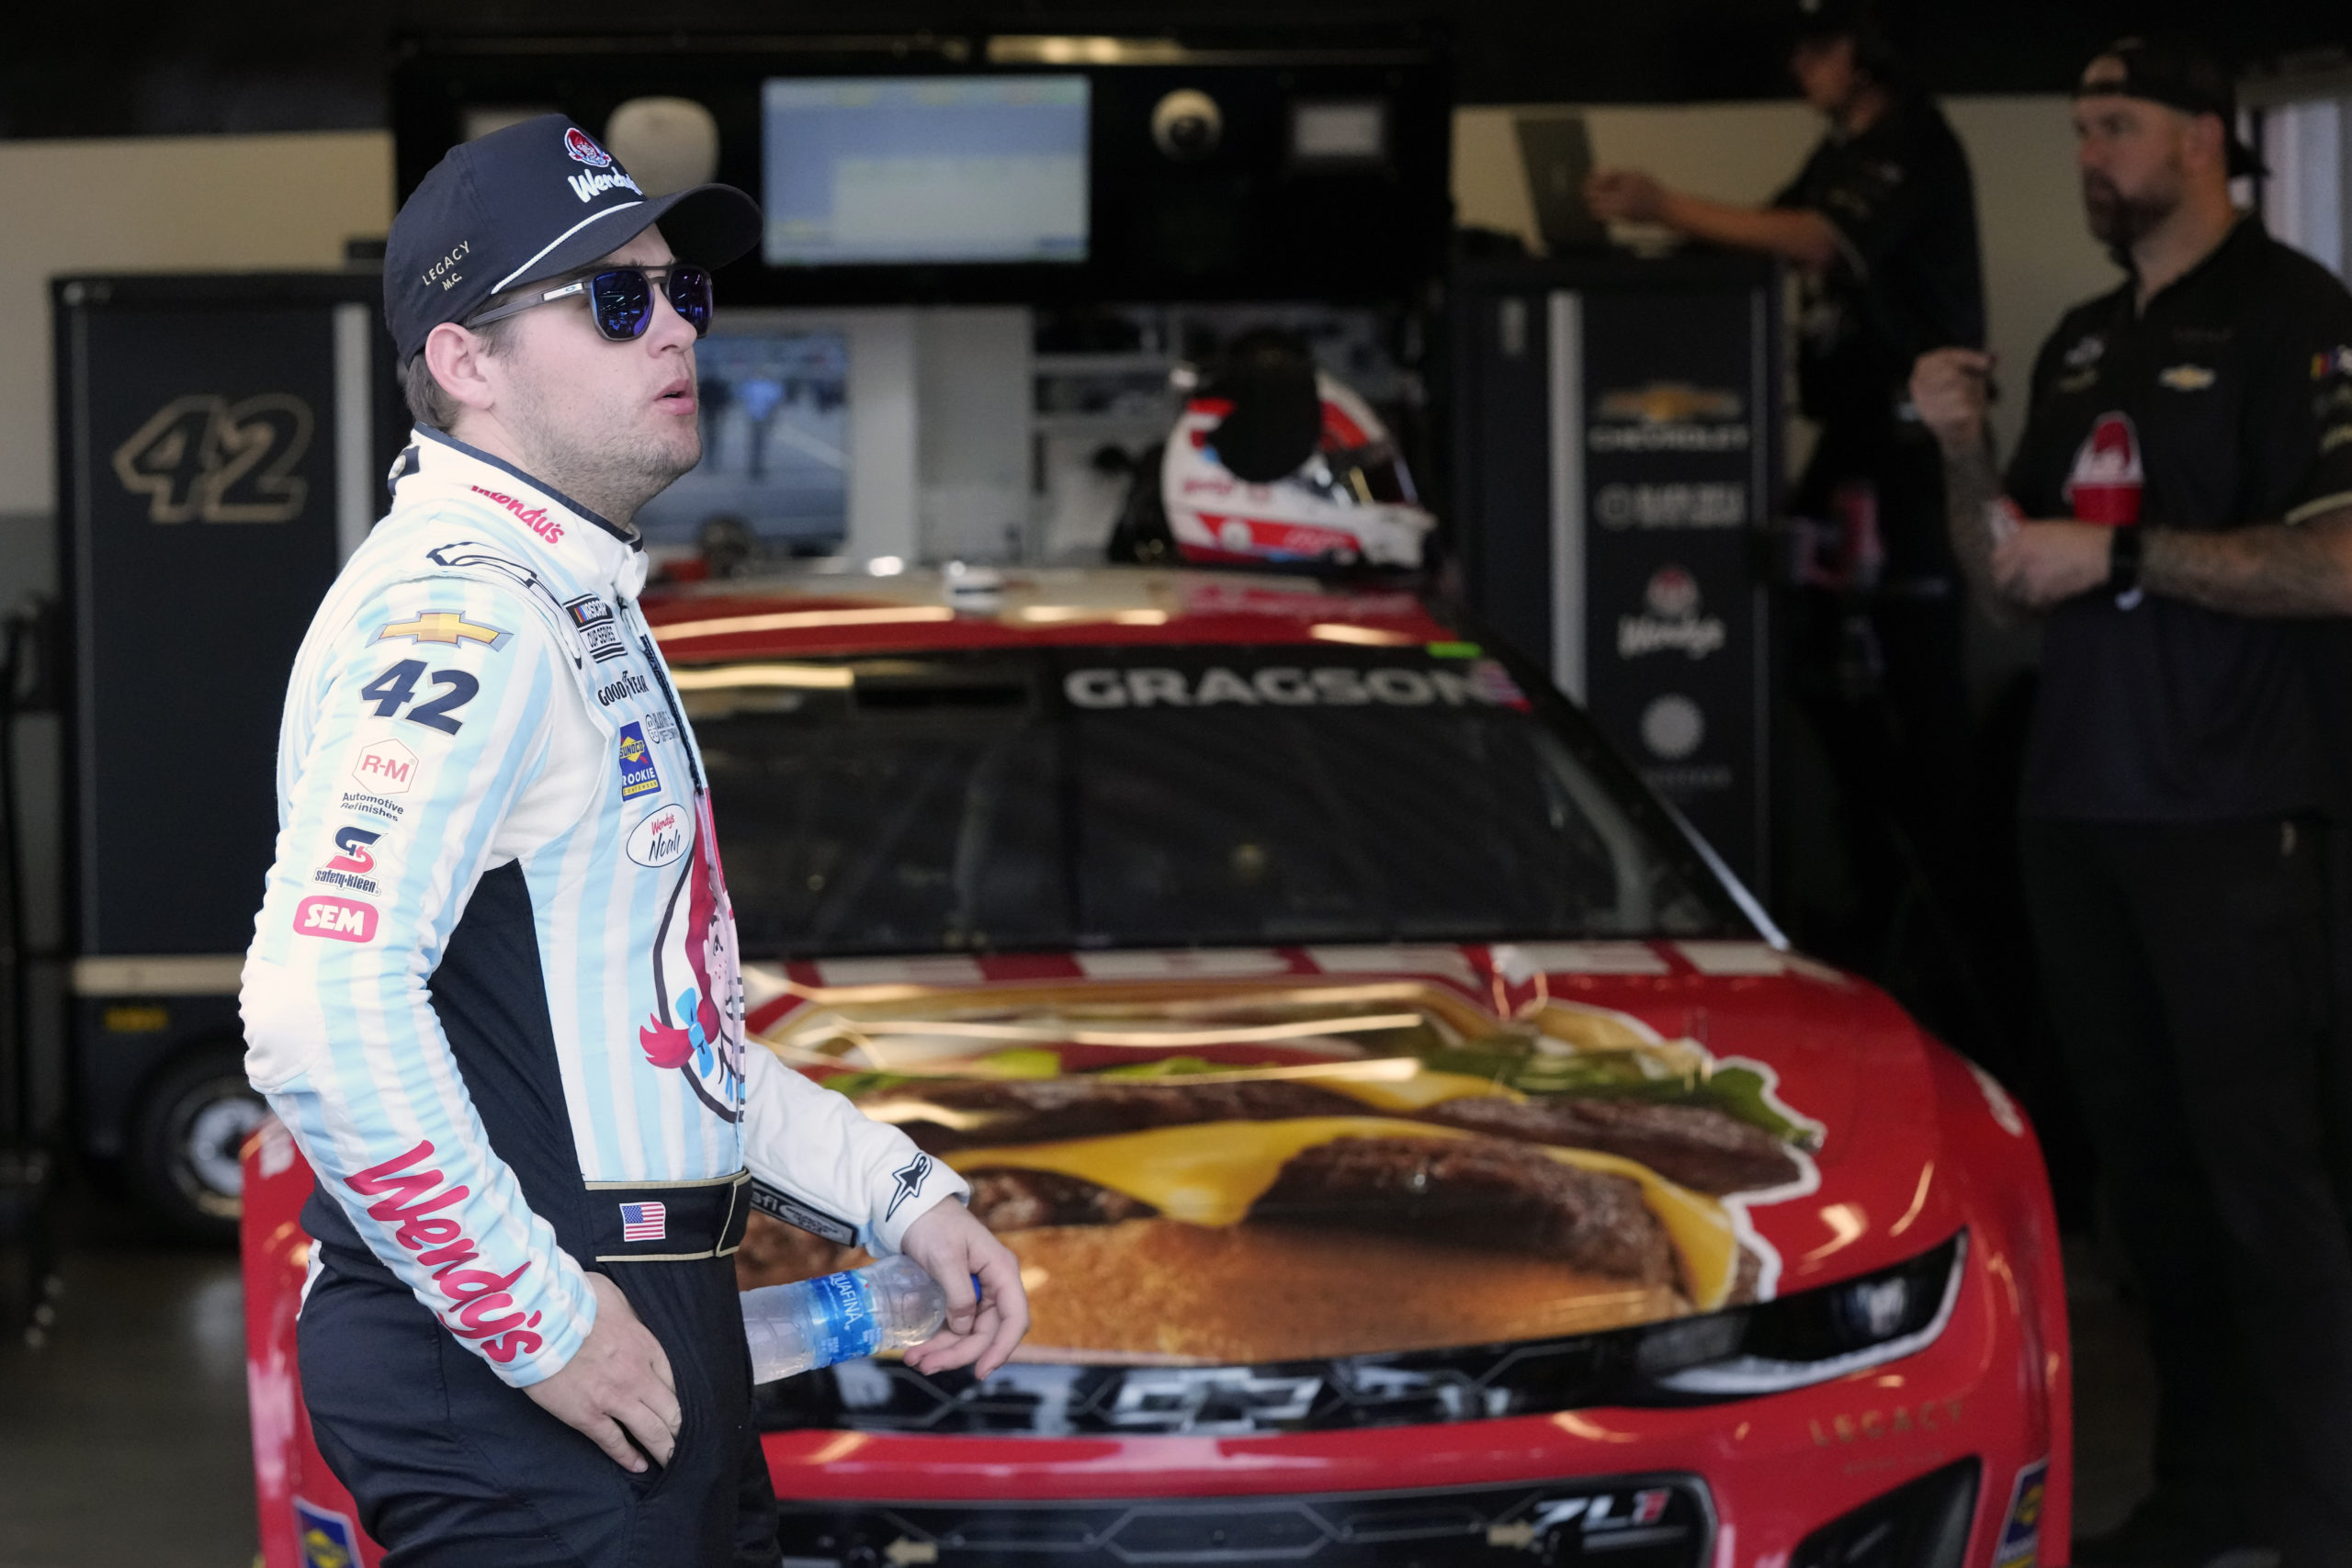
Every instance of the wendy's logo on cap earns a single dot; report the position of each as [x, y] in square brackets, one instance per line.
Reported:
[576, 142]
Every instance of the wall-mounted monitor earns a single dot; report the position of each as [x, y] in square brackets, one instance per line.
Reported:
[775, 449]
[924, 170]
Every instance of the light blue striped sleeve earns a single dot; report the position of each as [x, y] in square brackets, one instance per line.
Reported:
[408, 748]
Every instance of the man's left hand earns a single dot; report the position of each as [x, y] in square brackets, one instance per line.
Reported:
[953, 1246]
[2045, 563]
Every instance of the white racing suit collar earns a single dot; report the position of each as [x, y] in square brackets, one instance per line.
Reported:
[436, 466]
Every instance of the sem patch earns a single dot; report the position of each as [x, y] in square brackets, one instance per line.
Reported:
[344, 919]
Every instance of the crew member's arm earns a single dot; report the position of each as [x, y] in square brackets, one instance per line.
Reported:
[1630, 195]
[1949, 387]
[2298, 424]
[432, 721]
[816, 1147]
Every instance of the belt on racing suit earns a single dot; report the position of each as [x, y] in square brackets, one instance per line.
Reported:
[687, 1220]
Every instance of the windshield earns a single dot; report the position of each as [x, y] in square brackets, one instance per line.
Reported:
[1078, 798]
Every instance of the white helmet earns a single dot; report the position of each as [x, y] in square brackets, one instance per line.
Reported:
[1275, 463]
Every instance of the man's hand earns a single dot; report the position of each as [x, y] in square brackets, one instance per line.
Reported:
[1625, 196]
[952, 1247]
[617, 1385]
[1950, 387]
[2042, 564]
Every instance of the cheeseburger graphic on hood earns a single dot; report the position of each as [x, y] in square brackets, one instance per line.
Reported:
[1229, 1172]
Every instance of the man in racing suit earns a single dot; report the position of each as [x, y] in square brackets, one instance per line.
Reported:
[494, 989]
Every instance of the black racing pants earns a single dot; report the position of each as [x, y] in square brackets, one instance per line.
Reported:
[453, 1469]
[2186, 970]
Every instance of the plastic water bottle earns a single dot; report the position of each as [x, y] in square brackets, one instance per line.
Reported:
[814, 1323]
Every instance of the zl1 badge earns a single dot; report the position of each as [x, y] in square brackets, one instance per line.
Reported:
[638, 773]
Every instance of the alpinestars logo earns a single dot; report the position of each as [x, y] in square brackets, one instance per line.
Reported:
[908, 1178]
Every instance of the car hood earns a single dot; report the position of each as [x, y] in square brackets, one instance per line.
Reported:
[1266, 1155]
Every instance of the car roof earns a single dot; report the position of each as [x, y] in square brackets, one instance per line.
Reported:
[819, 611]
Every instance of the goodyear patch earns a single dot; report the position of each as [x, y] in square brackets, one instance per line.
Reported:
[638, 773]
[327, 1538]
[445, 627]
[2020, 1541]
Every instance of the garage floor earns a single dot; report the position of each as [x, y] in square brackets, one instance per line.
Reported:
[124, 1440]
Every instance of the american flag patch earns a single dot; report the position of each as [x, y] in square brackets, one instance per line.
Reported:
[641, 1221]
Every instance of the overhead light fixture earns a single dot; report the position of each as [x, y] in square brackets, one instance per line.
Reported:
[1033, 49]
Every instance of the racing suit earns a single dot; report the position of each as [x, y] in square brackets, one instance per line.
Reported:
[494, 993]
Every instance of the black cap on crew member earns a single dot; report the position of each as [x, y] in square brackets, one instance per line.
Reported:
[533, 201]
[1818, 21]
[2177, 77]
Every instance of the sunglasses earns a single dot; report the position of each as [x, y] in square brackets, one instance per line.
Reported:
[620, 299]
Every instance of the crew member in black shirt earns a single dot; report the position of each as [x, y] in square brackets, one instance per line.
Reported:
[2181, 496]
[1881, 223]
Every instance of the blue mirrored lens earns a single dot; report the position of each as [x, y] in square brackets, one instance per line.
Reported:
[689, 290]
[622, 300]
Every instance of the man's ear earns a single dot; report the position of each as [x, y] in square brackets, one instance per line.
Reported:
[2208, 140]
[456, 355]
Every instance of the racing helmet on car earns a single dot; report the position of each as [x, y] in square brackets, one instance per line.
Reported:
[1275, 463]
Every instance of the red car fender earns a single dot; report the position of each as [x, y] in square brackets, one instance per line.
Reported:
[288, 1466]
[1991, 1141]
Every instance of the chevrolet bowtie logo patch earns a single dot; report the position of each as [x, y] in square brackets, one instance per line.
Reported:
[443, 625]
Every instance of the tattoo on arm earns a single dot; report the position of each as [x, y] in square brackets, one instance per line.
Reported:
[1970, 489]
[2273, 569]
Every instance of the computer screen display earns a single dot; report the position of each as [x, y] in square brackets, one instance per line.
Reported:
[774, 446]
[924, 169]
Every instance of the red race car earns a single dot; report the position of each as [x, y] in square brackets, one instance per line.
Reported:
[1417, 1149]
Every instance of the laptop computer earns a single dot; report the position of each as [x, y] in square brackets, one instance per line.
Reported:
[1557, 153]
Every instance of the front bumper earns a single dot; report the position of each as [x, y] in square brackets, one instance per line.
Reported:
[1754, 1482]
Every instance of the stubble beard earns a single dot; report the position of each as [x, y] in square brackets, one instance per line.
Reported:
[2120, 223]
[610, 464]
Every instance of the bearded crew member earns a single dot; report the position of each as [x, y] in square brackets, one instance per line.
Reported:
[1881, 223]
[504, 1018]
[2187, 471]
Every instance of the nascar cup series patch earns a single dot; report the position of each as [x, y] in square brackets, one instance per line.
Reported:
[638, 774]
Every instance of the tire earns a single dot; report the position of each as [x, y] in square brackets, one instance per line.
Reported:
[193, 1117]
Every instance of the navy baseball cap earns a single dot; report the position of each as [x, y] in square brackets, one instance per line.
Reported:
[2177, 75]
[532, 201]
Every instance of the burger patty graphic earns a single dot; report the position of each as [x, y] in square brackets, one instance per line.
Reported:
[1260, 1178]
